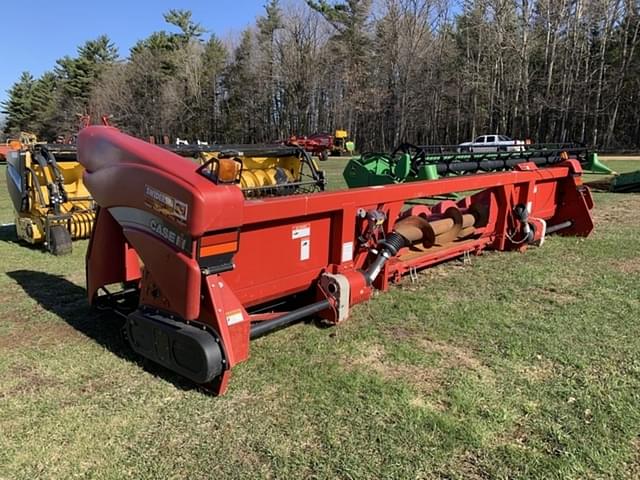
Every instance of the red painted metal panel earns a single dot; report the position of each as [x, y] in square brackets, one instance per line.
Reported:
[124, 171]
[276, 257]
[121, 264]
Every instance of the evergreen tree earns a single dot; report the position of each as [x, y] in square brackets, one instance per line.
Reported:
[189, 29]
[77, 75]
[44, 106]
[76, 78]
[19, 106]
[271, 21]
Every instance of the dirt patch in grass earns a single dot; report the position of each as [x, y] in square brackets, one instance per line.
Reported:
[21, 380]
[633, 466]
[468, 466]
[623, 213]
[426, 379]
[443, 270]
[628, 265]
[513, 437]
[26, 324]
[400, 332]
[25, 335]
[454, 356]
[375, 359]
[427, 277]
[555, 296]
[538, 372]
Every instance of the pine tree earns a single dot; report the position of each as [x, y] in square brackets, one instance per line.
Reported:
[189, 29]
[76, 78]
[44, 106]
[19, 106]
[77, 75]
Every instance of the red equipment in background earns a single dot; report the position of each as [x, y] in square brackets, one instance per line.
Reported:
[318, 144]
[204, 270]
[8, 146]
[4, 150]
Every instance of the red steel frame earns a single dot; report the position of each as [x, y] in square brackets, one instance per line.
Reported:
[272, 261]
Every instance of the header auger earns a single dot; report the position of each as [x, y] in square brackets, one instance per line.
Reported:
[202, 270]
[265, 170]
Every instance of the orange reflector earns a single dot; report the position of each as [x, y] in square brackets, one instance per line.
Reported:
[219, 243]
[15, 145]
[211, 250]
[228, 170]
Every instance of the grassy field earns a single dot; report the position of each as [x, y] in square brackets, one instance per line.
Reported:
[510, 366]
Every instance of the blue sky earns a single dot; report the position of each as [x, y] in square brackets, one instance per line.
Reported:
[38, 32]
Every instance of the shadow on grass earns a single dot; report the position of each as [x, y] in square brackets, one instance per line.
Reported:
[69, 302]
[8, 234]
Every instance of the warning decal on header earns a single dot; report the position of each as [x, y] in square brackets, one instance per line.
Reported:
[301, 231]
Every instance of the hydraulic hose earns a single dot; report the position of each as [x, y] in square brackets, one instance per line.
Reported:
[388, 248]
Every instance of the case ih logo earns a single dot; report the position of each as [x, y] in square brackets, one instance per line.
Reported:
[169, 235]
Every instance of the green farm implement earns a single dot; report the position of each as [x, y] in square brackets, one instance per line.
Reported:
[409, 163]
[626, 183]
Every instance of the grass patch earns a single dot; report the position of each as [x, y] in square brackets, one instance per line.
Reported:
[510, 366]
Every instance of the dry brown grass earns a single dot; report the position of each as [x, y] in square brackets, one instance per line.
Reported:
[624, 212]
[426, 379]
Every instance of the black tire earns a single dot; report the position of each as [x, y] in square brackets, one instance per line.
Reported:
[324, 155]
[59, 240]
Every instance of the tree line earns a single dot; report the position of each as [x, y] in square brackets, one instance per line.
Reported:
[388, 71]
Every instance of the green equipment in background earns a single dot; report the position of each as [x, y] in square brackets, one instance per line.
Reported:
[410, 163]
[626, 183]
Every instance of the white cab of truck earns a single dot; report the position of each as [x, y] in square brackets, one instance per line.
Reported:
[492, 143]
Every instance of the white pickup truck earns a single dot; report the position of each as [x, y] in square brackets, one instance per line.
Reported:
[492, 143]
